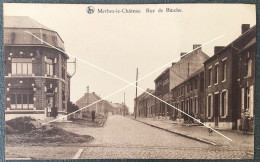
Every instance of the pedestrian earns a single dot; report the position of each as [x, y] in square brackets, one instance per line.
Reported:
[245, 121]
[93, 115]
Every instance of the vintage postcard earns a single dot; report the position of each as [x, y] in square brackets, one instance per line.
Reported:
[129, 81]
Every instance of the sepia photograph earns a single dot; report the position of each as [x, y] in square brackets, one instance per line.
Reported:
[129, 81]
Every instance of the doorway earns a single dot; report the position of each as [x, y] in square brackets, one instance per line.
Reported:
[216, 109]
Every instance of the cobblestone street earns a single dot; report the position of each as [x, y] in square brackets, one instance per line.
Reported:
[125, 138]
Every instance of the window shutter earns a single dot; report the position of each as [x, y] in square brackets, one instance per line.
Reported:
[242, 99]
[220, 104]
[251, 104]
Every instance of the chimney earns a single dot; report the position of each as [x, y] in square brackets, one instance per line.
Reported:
[182, 55]
[87, 89]
[87, 95]
[217, 49]
[244, 28]
[197, 47]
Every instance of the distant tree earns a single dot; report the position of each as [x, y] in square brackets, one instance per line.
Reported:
[72, 107]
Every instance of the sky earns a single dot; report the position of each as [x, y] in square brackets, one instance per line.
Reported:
[122, 42]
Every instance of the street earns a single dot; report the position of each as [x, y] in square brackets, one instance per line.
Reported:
[125, 138]
[122, 138]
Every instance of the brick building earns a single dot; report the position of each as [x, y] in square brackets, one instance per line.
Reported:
[100, 106]
[176, 74]
[145, 104]
[221, 81]
[35, 74]
[162, 91]
[151, 101]
[188, 96]
[246, 77]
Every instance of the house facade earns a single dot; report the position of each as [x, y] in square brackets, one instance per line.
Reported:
[188, 96]
[246, 81]
[101, 107]
[93, 102]
[145, 104]
[175, 75]
[36, 80]
[221, 82]
[162, 91]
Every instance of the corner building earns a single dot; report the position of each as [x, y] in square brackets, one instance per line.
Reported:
[36, 79]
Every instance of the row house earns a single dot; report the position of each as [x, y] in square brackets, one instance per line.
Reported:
[246, 78]
[145, 104]
[223, 81]
[176, 74]
[188, 96]
[162, 91]
[91, 101]
[36, 79]
[151, 101]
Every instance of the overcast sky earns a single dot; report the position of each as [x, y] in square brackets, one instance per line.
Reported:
[122, 42]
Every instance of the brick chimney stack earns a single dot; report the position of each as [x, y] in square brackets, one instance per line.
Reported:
[182, 54]
[244, 28]
[197, 47]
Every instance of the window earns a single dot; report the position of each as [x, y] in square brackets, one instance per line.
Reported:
[22, 66]
[195, 84]
[54, 40]
[195, 104]
[224, 70]
[216, 75]
[63, 73]
[13, 36]
[44, 37]
[247, 97]
[249, 68]
[210, 106]
[191, 106]
[21, 101]
[224, 102]
[209, 77]
[49, 65]
[191, 88]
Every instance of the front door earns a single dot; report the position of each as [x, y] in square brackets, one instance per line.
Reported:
[216, 109]
[50, 106]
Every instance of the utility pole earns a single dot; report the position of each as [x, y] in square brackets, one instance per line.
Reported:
[136, 93]
[124, 103]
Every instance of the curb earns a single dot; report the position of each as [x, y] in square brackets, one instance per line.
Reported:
[180, 134]
[18, 159]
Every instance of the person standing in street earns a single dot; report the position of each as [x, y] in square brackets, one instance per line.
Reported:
[93, 115]
[245, 121]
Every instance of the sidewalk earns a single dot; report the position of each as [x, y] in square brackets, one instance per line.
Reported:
[200, 133]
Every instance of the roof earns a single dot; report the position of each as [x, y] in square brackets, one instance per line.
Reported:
[234, 42]
[252, 42]
[144, 94]
[92, 98]
[162, 73]
[22, 22]
[192, 75]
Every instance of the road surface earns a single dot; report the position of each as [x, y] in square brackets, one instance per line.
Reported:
[124, 138]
